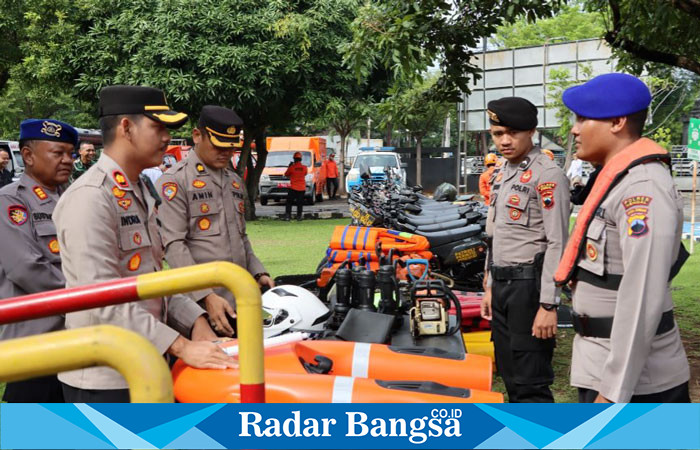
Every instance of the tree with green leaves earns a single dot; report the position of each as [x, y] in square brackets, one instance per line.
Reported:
[650, 31]
[571, 23]
[408, 37]
[415, 108]
[272, 61]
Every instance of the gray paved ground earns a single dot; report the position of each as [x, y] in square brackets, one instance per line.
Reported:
[336, 209]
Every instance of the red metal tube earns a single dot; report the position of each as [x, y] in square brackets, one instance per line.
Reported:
[253, 393]
[61, 301]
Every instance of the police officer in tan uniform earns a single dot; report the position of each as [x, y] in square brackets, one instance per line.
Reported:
[623, 252]
[202, 215]
[29, 252]
[528, 222]
[107, 229]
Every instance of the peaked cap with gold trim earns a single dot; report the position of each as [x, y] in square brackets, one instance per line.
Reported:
[151, 102]
[223, 126]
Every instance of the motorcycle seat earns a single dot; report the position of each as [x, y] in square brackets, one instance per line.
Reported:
[439, 238]
[442, 226]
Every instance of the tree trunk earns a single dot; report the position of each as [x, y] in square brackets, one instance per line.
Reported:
[387, 134]
[341, 164]
[245, 152]
[255, 172]
[419, 157]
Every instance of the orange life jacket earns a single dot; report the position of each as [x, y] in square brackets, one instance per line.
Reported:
[367, 238]
[640, 152]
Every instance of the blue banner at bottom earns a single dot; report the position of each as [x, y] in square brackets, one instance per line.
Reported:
[349, 426]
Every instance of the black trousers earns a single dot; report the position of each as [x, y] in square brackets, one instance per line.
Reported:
[523, 361]
[294, 197]
[37, 390]
[678, 394]
[77, 395]
[332, 184]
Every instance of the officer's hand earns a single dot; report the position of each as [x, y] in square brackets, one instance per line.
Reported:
[600, 399]
[266, 281]
[201, 331]
[486, 304]
[545, 324]
[217, 307]
[201, 354]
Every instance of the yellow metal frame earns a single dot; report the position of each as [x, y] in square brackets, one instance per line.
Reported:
[134, 357]
[248, 305]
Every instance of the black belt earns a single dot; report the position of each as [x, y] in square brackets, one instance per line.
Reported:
[519, 272]
[601, 327]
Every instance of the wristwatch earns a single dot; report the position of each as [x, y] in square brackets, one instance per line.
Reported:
[257, 276]
[549, 306]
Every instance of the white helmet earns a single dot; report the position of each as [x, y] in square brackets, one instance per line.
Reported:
[292, 308]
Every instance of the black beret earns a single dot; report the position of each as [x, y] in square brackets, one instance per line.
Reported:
[222, 124]
[512, 112]
[118, 100]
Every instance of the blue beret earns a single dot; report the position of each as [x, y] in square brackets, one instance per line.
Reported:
[48, 130]
[609, 95]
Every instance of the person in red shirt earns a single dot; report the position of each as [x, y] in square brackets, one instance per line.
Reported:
[332, 177]
[296, 172]
[485, 179]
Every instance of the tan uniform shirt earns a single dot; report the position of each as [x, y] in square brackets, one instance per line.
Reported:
[29, 253]
[528, 214]
[107, 229]
[202, 219]
[635, 233]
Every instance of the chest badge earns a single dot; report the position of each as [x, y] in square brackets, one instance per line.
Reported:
[591, 251]
[204, 224]
[17, 214]
[515, 214]
[120, 179]
[169, 190]
[39, 192]
[241, 208]
[118, 192]
[514, 200]
[204, 208]
[526, 176]
[235, 185]
[53, 246]
[137, 238]
[124, 203]
[200, 168]
[199, 184]
[134, 263]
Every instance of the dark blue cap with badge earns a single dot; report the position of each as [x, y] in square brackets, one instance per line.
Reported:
[609, 95]
[223, 126]
[47, 130]
[512, 112]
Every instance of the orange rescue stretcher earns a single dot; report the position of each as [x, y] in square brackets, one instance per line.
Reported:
[358, 372]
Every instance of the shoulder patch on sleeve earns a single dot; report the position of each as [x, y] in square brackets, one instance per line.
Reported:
[18, 214]
[637, 210]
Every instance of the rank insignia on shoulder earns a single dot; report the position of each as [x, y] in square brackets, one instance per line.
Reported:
[199, 184]
[53, 246]
[124, 203]
[204, 208]
[515, 214]
[526, 176]
[200, 168]
[134, 263]
[17, 214]
[591, 251]
[118, 192]
[236, 185]
[120, 179]
[169, 190]
[204, 224]
[39, 192]
[137, 238]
